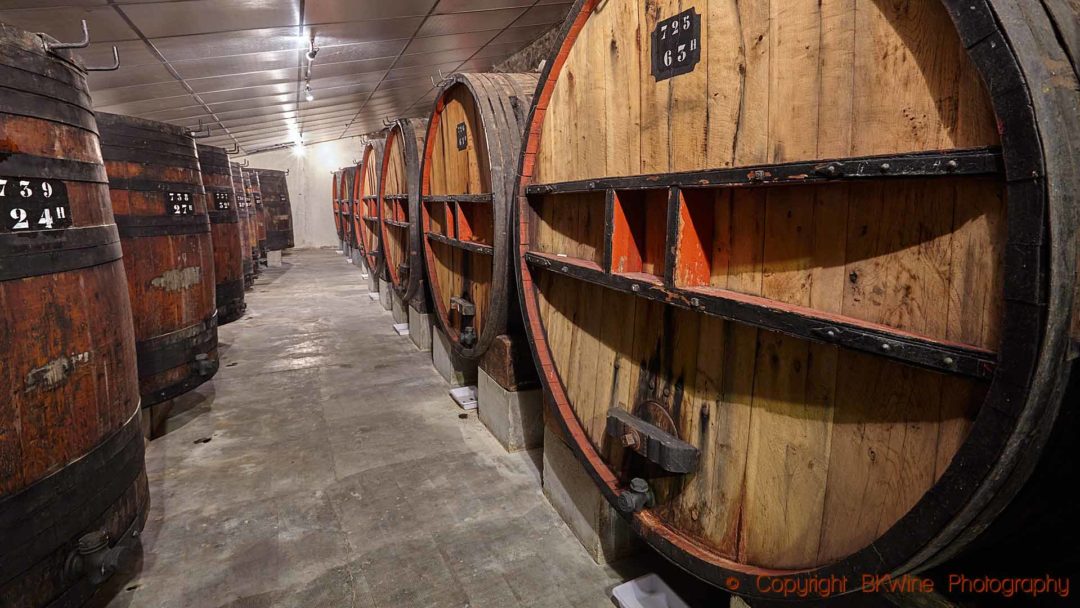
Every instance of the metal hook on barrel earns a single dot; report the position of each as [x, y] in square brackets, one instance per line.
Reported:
[199, 133]
[111, 68]
[386, 122]
[82, 44]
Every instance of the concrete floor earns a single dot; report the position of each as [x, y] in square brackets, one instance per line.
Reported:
[326, 465]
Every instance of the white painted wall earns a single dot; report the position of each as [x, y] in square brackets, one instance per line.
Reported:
[310, 186]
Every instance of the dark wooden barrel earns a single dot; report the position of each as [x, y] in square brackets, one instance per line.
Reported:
[225, 233]
[806, 274]
[240, 194]
[71, 447]
[161, 211]
[367, 195]
[468, 177]
[348, 196]
[258, 214]
[275, 196]
[251, 223]
[399, 209]
[335, 183]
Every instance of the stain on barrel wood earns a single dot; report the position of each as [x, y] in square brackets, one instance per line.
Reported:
[71, 448]
[275, 196]
[243, 216]
[399, 209]
[225, 232]
[366, 218]
[161, 209]
[807, 239]
[468, 177]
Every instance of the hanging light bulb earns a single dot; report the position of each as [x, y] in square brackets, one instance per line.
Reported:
[308, 95]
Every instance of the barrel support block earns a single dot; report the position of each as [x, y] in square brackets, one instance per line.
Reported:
[515, 418]
[456, 370]
[420, 325]
[605, 536]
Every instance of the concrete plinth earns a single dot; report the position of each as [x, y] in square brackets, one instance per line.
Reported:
[399, 309]
[273, 259]
[420, 325]
[456, 370]
[595, 523]
[515, 418]
[386, 295]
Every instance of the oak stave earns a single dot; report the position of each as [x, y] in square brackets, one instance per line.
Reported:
[279, 226]
[225, 230]
[71, 450]
[492, 108]
[801, 477]
[169, 258]
[399, 201]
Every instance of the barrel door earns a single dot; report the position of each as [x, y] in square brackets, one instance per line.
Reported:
[71, 449]
[367, 216]
[275, 191]
[790, 269]
[240, 195]
[160, 206]
[467, 183]
[399, 206]
[225, 232]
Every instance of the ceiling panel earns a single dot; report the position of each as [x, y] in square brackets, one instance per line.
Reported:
[239, 65]
[161, 19]
[461, 23]
[64, 22]
[335, 11]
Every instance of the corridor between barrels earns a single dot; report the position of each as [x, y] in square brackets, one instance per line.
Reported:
[325, 465]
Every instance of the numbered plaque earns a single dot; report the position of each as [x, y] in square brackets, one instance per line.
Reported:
[676, 45]
[462, 136]
[222, 201]
[30, 204]
[179, 203]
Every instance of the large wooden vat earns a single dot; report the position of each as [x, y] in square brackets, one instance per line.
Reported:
[468, 176]
[805, 269]
[258, 215]
[240, 195]
[160, 207]
[251, 222]
[225, 233]
[367, 205]
[275, 196]
[71, 448]
[399, 209]
[335, 198]
[348, 204]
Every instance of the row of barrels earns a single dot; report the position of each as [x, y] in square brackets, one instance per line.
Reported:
[123, 247]
[800, 286]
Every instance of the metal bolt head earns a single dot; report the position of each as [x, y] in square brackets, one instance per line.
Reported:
[635, 288]
[886, 167]
[831, 333]
[886, 347]
[695, 302]
[952, 165]
[629, 440]
[639, 485]
[949, 361]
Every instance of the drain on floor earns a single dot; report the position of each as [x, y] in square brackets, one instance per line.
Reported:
[131, 588]
[202, 440]
[233, 364]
